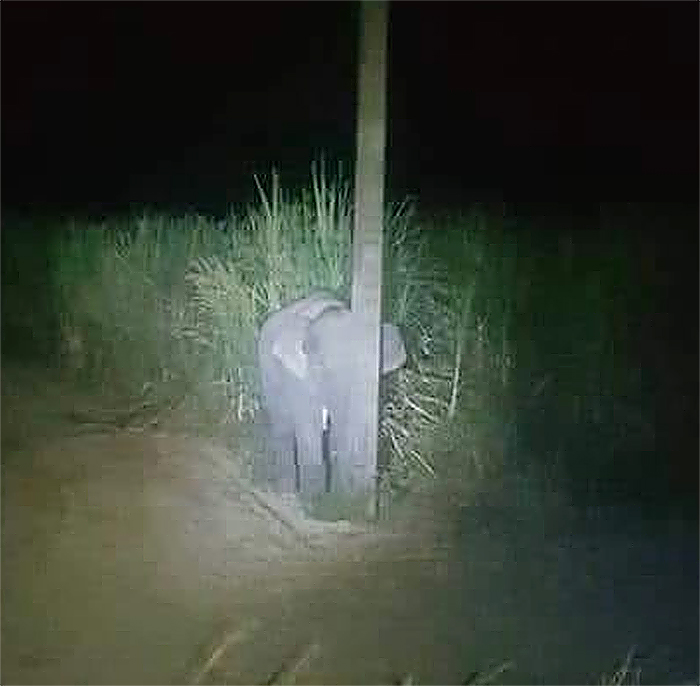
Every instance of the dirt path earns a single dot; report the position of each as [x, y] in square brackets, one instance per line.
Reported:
[125, 553]
[139, 557]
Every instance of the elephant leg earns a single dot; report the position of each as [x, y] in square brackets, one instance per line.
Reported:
[311, 464]
[278, 469]
[346, 461]
[282, 472]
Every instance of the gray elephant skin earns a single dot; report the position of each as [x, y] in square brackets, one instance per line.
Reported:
[309, 354]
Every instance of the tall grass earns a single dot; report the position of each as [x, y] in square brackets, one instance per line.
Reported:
[449, 285]
[172, 305]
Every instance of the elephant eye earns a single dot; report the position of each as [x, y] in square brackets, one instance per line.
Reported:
[310, 345]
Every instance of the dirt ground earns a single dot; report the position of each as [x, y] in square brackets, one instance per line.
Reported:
[140, 555]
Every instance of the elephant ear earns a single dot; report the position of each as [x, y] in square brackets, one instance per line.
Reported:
[290, 349]
[393, 350]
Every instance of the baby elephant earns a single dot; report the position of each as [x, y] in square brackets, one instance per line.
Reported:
[309, 358]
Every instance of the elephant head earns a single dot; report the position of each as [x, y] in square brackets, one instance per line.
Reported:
[309, 353]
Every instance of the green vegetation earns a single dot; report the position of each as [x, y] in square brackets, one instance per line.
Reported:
[164, 311]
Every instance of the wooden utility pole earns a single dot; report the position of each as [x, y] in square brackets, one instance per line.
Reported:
[367, 239]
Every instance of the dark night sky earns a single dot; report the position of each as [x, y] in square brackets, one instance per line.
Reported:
[178, 103]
